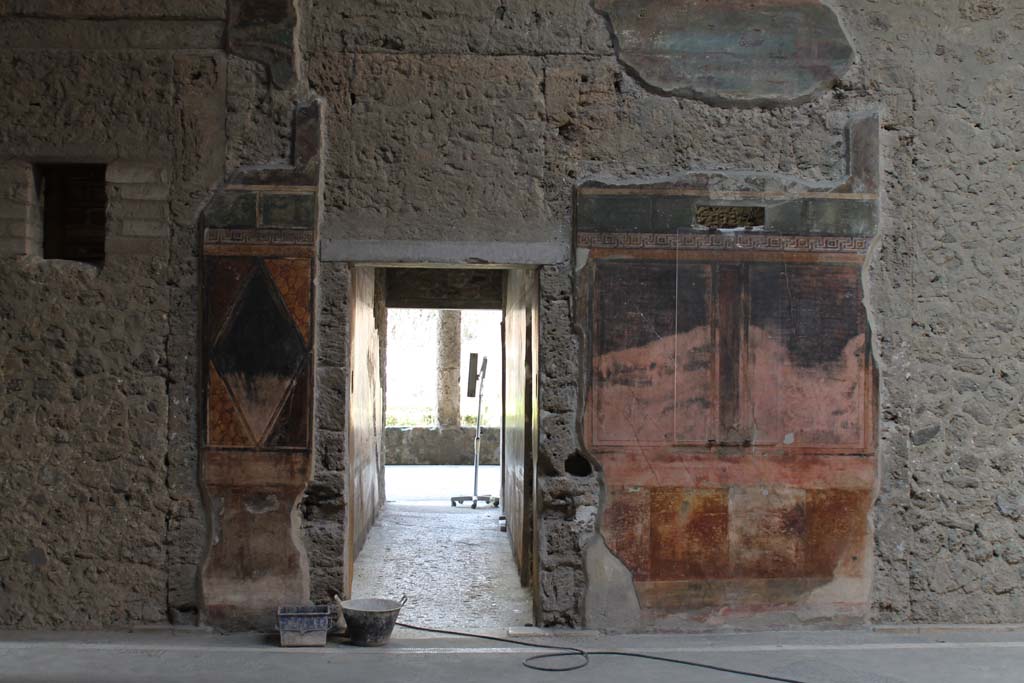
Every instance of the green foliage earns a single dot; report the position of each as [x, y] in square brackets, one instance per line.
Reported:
[410, 417]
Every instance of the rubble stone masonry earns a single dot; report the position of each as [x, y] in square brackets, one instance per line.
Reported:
[465, 122]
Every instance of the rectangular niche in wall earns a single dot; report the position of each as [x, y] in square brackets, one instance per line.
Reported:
[74, 199]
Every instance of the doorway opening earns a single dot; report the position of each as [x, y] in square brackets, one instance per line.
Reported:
[450, 421]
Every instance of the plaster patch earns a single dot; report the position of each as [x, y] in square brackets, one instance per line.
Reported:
[611, 599]
[732, 53]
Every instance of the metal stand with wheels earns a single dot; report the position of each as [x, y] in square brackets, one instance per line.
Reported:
[476, 388]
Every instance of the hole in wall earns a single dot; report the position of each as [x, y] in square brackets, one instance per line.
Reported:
[568, 131]
[578, 466]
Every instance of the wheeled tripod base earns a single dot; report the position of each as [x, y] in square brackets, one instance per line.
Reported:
[486, 500]
[476, 385]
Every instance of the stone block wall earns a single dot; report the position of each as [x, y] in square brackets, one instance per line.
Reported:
[568, 484]
[21, 233]
[434, 446]
[324, 506]
[103, 523]
[943, 291]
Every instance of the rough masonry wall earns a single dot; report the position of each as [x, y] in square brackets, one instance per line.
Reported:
[469, 120]
[101, 522]
[324, 506]
[568, 487]
[427, 97]
[84, 419]
[944, 292]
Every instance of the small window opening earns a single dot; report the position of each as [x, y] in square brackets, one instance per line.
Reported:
[729, 217]
[74, 198]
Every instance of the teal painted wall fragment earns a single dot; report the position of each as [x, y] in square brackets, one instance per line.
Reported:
[730, 52]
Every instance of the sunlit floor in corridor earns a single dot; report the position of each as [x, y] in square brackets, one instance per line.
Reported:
[454, 564]
[435, 485]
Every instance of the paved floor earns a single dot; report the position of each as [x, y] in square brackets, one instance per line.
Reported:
[454, 564]
[814, 657]
[434, 485]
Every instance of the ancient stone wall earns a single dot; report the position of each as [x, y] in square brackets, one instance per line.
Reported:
[102, 518]
[452, 125]
[323, 508]
[424, 97]
[86, 498]
[943, 291]
[434, 446]
[105, 504]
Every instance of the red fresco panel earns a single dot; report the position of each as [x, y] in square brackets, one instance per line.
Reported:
[767, 532]
[626, 525]
[710, 470]
[689, 533]
[694, 400]
[837, 532]
[634, 353]
[749, 496]
[224, 277]
[732, 427]
[291, 427]
[294, 280]
[224, 423]
[807, 346]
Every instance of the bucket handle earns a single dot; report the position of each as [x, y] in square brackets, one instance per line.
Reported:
[405, 599]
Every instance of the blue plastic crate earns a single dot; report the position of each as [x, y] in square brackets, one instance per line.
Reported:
[305, 625]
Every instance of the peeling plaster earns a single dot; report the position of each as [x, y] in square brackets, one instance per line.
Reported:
[730, 53]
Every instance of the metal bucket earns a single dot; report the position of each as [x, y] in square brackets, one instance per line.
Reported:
[371, 620]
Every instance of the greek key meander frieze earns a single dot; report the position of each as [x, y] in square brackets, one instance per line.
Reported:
[261, 236]
[719, 241]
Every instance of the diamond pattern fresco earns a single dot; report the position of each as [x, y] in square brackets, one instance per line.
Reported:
[224, 277]
[293, 280]
[292, 426]
[258, 353]
[225, 426]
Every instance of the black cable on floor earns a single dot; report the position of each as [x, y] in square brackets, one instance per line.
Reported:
[585, 655]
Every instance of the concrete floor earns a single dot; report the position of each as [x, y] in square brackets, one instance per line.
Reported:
[454, 564]
[947, 656]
